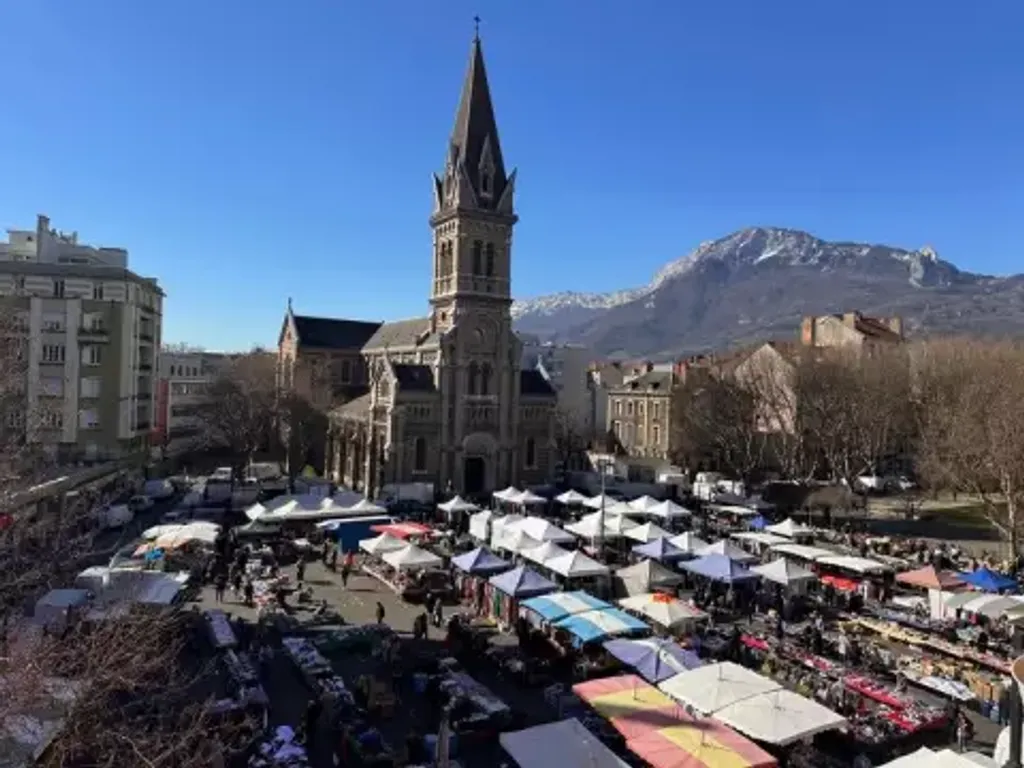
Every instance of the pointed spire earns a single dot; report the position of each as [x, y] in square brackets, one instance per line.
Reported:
[474, 140]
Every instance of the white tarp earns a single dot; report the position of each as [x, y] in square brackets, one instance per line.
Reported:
[382, 544]
[947, 758]
[646, 532]
[576, 565]
[589, 527]
[558, 745]
[790, 528]
[856, 564]
[668, 613]
[546, 551]
[688, 543]
[779, 717]
[709, 688]
[596, 502]
[540, 529]
[802, 551]
[503, 528]
[784, 572]
[669, 510]
[480, 525]
[411, 557]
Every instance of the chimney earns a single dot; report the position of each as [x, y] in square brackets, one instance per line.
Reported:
[850, 319]
[807, 328]
[895, 324]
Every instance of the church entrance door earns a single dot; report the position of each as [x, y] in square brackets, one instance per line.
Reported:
[474, 473]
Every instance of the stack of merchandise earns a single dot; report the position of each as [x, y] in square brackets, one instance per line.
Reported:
[353, 638]
[221, 633]
[280, 750]
[307, 658]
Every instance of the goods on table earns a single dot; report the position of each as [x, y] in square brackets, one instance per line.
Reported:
[240, 667]
[306, 657]
[221, 633]
[280, 751]
[334, 687]
[363, 637]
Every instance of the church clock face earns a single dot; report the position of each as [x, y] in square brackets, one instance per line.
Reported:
[482, 338]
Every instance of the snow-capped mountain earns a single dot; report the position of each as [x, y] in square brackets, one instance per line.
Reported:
[759, 281]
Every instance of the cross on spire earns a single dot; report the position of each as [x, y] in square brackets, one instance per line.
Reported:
[476, 28]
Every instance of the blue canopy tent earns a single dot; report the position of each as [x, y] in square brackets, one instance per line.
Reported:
[660, 549]
[988, 580]
[595, 626]
[758, 523]
[480, 562]
[522, 582]
[557, 606]
[653, 658]
[719, 568]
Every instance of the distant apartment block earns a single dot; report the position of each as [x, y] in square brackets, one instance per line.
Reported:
[92, 331]
[567, 369]
[183, 393]
[640, 410]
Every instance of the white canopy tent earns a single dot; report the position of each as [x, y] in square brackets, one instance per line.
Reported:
[159, 530]
[712, 687]
[180, 535]
[527, 499]
[458, 504]
[366, 507]
[790, 528]
[411, 557]
[540, 529]
[589, 527]
[570, 498]
[502, 528]
[668, 510]
[802, 551]
[860, 565]
[643, 504]
[779, 717]
[595, 502]
[784, 572]
[546, 551]
[759, 538]
[688, 543]
[381, 545]
[947, 758]
[991, 606]
[646, 576]
[728, 549]
[558, 745]
[506, 494]
[646, 532]
[668, 613]
[480, 525]
[574, 565]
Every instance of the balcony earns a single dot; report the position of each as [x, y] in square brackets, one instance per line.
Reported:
[93, 334]
[145, 335]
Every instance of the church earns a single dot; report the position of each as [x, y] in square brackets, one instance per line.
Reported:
[439, 399]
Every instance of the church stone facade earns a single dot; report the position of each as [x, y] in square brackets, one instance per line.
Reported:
[442, 398]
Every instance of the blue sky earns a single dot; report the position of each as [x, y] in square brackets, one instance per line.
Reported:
[245, 151]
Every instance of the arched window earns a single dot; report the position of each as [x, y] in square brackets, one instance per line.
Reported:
[474, 376]
[531, 453]
[478, 255]
[485, 183]
[485, 379]
[419, 462]
[489, 252]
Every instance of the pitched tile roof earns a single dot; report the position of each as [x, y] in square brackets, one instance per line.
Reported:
[414, 378]
[329, 333]
[401, 333]
[533, 383]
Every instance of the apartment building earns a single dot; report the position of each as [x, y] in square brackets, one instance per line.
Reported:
[567, 369]
[640, 410]
[182, 394]
[92, 338]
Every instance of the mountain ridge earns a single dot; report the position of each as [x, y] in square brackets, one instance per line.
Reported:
[758, 281]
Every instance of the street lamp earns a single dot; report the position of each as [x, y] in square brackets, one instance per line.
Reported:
[602, 466]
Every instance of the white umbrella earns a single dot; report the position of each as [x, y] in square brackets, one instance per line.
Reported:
[646, 532]
[688, 543]
[458, 504]
[541, 554]
[411, 557]
[570, 497]
[506, 493]
[379, 545]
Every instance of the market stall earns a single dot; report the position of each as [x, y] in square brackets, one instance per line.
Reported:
[787, 574]
[541, 530]
[598, 625]
[571, 498]
[558, 745]
[645, 576]
[505, 590]
[404, 531]
[988, 580]
[592, 526]
[576, 565]
[660, 549]
[709, 688]
[382, 544]
[472, 570]
[688, 543]
[727, 549]
[480, 525]
[779, 717]
[791, 529]
[646, 532]
[719, 568]
[556, 606]
[668, 613]
[543, 552]
[668, 510]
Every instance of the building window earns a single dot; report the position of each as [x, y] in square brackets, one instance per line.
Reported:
[53, 353]
[485, 184]
[52, 386]
[617, 429]
[92, 354]
[420, 455]
[478, 255]
[489, 252]
[346, 371]
[53, 321]
[474, 377]
[88, 419]
[629, 408]
[485, 379]
[90, 387]
[640, 408]
[52, 419]
[58, 289]
[97, 291]
[655, 411]
[656, 435]
[531, 453]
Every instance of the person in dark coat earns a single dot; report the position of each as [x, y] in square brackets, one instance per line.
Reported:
[313, 711]
[380, 612]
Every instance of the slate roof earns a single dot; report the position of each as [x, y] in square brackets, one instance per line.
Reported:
[401, 333]
[354, 409]
[533, 383]
[652, 381]
[414, 378]
[328, 333]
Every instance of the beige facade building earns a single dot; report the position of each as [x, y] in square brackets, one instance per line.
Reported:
[441, 399]
[640, 412]
[92, 329]
[850, 329]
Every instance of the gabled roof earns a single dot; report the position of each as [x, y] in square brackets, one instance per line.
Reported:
[329, 333]
[414, 378]
[533, 383]
[400, 333]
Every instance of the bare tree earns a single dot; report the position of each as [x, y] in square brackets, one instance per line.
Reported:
[241, 409]
[571, 439]
[303, 432]
[970, 398]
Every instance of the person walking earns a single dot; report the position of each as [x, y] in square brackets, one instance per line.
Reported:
[300, 571]
[333, 564]
[380, 612]
[220, 584]
[248, 588]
